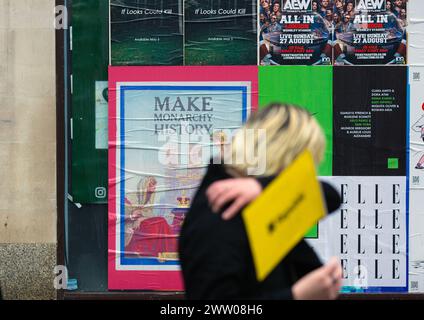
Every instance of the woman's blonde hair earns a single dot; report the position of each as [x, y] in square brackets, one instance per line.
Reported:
[289, 130]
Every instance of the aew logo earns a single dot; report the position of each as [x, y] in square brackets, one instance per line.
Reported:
[371, 5]
[298, 5]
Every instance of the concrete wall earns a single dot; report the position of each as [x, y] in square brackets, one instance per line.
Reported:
[27, 149]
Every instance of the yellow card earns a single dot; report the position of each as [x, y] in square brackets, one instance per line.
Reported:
[281, 216]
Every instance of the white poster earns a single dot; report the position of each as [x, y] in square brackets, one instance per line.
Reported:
[415, 32]
[101, 114]
[416, 129]
[416, 178]
[368, 233]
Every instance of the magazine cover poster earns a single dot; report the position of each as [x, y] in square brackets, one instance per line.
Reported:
[369, 233]
[371, 32]
[296, 32]
[220, 32]
[165, 124]
[146, 32]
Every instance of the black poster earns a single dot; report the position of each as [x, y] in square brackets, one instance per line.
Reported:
[369, 123]
[220, 32]
[146, 32]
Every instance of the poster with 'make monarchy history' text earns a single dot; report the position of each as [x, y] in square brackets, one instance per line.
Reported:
[163, 125]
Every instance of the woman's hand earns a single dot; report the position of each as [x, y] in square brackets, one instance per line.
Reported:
[239, 191]
[322, 284]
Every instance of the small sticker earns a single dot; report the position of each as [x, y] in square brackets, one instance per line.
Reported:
[100, 192]
[393, 163]
[101, 114]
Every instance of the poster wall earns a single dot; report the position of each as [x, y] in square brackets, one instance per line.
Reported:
[291, 32]
[154, 35]
[158, 118]
[375, 147]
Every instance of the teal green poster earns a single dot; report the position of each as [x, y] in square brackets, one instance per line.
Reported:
[308, 87]
[90, 56]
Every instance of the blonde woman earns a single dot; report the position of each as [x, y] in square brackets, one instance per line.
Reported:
[214, 252]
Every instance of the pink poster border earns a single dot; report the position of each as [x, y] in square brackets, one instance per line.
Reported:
[156, 280]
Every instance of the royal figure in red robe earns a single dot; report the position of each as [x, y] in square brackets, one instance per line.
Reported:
[148, 235]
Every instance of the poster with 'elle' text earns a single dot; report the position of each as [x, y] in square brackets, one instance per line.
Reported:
[369, 233]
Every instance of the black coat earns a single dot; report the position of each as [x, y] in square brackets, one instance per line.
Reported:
[215, 255]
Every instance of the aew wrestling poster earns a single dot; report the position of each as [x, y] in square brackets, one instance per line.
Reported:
[146, 34]
[371, 32]
[220, 32]
[165, 123]
[296, 32]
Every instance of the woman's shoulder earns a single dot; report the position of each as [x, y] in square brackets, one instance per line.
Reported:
[201, 222]
[199, 205]
[203, 227]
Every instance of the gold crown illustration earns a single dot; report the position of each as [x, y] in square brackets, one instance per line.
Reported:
[183, 202]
